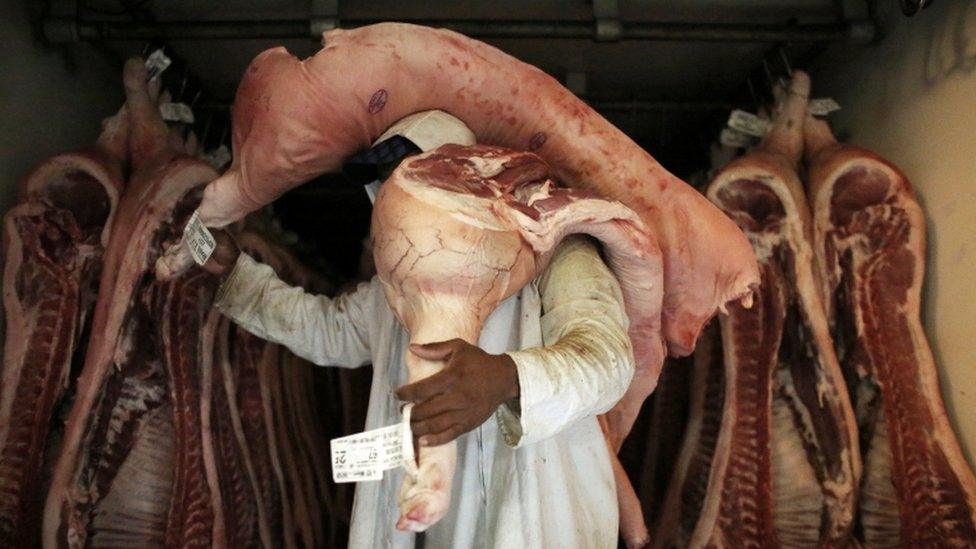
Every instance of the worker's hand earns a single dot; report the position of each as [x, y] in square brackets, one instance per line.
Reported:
[224, 255]
[460, 397]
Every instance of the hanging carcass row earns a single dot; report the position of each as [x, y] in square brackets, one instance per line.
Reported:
[268, 443]
[295, 119]
[133, 416]
[785, 467]
[186, 431]
[53, 246]
[869, 234]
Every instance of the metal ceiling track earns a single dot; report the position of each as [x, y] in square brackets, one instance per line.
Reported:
[606, 26]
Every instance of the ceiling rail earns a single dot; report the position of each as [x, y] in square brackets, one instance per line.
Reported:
[66, 30]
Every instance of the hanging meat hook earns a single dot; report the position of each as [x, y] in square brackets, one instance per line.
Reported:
[911, 7]
[752, 93]
[786, 63]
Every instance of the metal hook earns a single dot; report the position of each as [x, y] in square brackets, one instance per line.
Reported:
[769, 78]
[206, 128]
[752, 92]
[786, 61]
[788, 79]
[770, 81]
[186, 76]
[769, 74]
[911, 7]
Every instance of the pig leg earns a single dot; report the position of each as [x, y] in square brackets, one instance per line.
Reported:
[425, 498]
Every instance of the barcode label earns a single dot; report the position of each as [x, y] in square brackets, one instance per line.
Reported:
[823, 106]
[734, 138]
[364, 456]
[219, 157]
[199, 239]
[176, 112]
[748, 123]
[156, 63]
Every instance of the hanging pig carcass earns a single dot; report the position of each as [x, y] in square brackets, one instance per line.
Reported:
[785, 466]
[869, 234]
[53, 246]
[133, 440]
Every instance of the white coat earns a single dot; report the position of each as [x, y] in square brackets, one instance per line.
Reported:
[539, 474]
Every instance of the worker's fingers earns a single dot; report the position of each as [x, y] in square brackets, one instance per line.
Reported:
[436, 405]
[440, 350]
[426, 388]
[225, 253]
[436, 424]
[443, 437]
[174, 261]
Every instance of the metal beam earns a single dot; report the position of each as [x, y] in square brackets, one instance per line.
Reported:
[101, 30]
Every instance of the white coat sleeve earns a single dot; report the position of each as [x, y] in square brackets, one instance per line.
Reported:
[325, 331]
[586, 363]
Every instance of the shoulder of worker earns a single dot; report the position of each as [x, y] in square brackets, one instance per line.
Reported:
[576, 258]
[576, 247]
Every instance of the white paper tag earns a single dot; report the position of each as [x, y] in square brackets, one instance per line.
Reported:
[176, 112]
[734, 138]
[364, 456]
[823, 106]
[199, 239]
[156, 63]
[748, 123]
[219, 157]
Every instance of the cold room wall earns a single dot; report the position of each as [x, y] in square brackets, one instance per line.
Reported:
[912, 99]
[51, 100]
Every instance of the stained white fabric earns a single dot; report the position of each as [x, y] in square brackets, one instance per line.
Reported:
[539, 474]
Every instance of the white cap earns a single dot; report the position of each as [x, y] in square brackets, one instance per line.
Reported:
[430, 129]
[427, 130]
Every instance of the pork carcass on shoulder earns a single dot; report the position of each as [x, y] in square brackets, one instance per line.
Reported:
[53, 245]
[458, 230]
[869, 234]
[294, 120]
[132, 442]
[786, 467]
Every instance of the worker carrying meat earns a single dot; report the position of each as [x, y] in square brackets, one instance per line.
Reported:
[533, 465]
